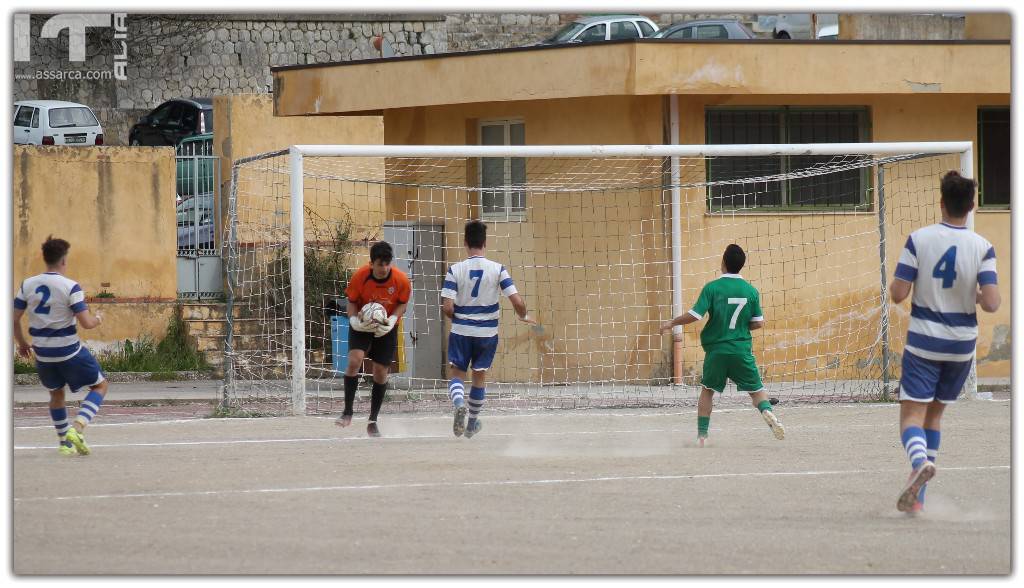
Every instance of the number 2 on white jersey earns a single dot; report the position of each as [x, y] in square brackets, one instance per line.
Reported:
[741, 302]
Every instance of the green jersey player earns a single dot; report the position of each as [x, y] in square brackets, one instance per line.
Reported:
[733, 308]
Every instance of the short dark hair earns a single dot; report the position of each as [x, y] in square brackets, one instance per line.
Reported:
[54, 250]
[957, 194]
[734, 258]
[381, 250]
[476, 234]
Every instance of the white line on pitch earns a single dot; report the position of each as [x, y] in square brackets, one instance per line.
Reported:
[407, 437]
[489, 483]
[556, 413]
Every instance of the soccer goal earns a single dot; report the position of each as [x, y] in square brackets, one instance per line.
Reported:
[604, 242]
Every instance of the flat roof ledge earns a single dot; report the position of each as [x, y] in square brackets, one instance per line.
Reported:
[648, 67]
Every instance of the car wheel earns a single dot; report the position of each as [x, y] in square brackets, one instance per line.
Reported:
[135, 143]
[782, 35]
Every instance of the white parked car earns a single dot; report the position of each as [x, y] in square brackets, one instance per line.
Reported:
[55, 122]
[603, 28]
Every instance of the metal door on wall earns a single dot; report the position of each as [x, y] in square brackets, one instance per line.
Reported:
[419, 252]
[197, 210]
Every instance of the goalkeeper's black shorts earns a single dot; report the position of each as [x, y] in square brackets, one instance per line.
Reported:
[379, 349]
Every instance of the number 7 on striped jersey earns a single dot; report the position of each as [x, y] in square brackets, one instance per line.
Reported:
[735, 315]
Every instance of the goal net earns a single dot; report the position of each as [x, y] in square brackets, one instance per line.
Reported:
[604, 243]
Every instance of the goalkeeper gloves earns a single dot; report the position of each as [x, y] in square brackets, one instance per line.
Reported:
[385, 328]
[358, 324]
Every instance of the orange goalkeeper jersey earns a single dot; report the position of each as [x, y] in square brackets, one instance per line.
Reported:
[393, 290]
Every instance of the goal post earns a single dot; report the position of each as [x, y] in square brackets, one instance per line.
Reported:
[611, 239]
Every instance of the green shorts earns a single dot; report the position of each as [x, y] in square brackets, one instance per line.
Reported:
[741, 369]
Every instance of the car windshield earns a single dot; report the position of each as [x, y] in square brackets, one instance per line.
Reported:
[78, 116]
[565, 33]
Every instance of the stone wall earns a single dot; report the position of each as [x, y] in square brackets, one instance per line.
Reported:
[172, 56]
[213, 54]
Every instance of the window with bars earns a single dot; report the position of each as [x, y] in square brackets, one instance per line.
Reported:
[844, 190]
[994, 157]
[499, 176]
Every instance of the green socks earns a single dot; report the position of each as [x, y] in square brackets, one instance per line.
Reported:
[764, 405]
[702, 426]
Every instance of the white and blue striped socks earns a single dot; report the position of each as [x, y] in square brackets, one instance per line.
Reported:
[60, 421]
[476, 402]
[456, 392]
[90, 406]
[933, 437]
[916, 445]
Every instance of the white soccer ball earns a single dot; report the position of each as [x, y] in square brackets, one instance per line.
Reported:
[374, 313]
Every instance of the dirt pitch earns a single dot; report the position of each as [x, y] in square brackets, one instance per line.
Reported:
[585, 491]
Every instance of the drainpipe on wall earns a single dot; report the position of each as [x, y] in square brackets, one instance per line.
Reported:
[677, 247]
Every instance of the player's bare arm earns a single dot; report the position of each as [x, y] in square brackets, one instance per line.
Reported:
[520, 306]
[899, 290]
[24, 349]
[88, 320]
[988, 298]
[683, 319]
[448, 308]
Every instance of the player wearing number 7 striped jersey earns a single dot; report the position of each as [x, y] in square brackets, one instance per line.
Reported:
[951, 270]
[733, 309]
[472, 290]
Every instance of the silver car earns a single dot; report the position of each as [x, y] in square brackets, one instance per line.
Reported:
[707, 29]
[603, 28]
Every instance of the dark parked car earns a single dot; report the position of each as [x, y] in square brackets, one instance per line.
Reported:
[707, 29]
[173, 121]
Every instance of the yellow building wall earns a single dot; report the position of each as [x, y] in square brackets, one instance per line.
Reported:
[823, 318]
[115, 206]
[569, 267]
[245, 125]
[927, 117]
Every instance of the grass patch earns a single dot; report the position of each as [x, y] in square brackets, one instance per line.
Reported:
[21, 366]
[174, 353]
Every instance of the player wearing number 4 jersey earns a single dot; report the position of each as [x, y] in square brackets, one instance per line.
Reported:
[951, 270]
[733, 308]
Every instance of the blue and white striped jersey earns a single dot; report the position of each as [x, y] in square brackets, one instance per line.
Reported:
[51, 302]
[476, 284]
[946, 264]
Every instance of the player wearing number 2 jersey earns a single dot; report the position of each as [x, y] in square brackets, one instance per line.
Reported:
[951, 270]
[54, 304]
[733, 308]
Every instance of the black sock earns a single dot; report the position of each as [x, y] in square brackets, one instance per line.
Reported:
[377, 399]
[351, 385]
